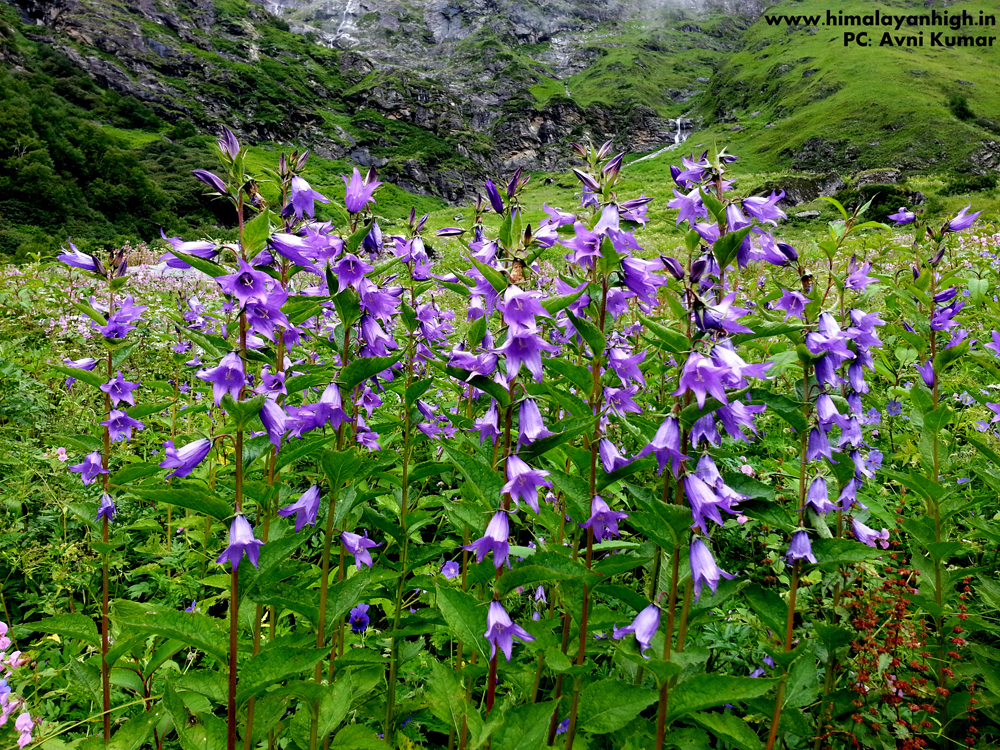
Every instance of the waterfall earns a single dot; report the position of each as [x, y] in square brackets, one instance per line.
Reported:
[678, 139]
[343, 18]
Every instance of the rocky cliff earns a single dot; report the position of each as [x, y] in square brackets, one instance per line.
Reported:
[437, 93]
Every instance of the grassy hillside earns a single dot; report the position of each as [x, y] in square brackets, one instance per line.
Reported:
[921, 109]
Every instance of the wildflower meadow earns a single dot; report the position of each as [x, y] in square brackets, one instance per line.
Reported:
[502, 485]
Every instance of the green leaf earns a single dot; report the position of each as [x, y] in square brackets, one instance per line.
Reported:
[480, 479]
[609, 705]
[579, 375]
[274, 665]
[301, 382]
[709, 690]
[71, 626]
[341, 467]
[200, 631]
[553, 305]
[543, 567]
[465, 618]
[590, 332]
[90, 313]
[726, 247]
[87, 376]
[298, 449]
[675, 341]
[187, 496]
[133, 734]
[133, 472]
[85, 443]
[446, 695]
[120, 355]
[364, 368]
[256, 233]
[525, 727]
[201, 732]
[782, 406]
[477, 331]
[207, 267]
[836, 204]
[492, 276]
[343, 595]
[243, 412]
[418, 389]
[730, 729]
[843, 551]
[768, 606]
[358, 737]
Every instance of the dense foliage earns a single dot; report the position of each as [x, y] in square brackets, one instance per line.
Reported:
[742, 495]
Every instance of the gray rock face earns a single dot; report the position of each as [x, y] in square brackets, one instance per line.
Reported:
[876, 177]
[799, 190]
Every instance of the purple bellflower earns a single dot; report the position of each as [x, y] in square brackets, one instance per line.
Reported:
[523, 482]
[703, 568]
[89, 468]
[902, 216]
[303, 196]
[501, 631]
[358, 546]
[525, 348]
[800, 548]
[359, 618]
[84, 261]
[603, 521]
[246, 285]
[665, 445]
[184, 460]
[106, 509]
[643, 627]
[241, 540]
[494, 540]
[450, 569]
[529, 423]
[305, 509]
[120, 425]
[359, 192]
[227, 377]
[119, 390]
[868, 535]
[962, 221]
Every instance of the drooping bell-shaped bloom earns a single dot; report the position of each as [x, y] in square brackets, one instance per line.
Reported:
[868, 535]
[84, 261]
[359, 619]
[350, 270]
[793, 303]
[227, 377]
[703, 378]
[765, 209]
[962, 220]
[263, 315]
[24, 724]
[525, 348]
[358, 546]
[818, 446]
[926, 371]
[487, 425]
[902, 216]
[738, 415]
[450, 569]
[643, 627]
[89, 468]
[184, 460]
[626, 367]
[689, 206]
[305, 508]
[120, 425]
[800, 548]
[703, 501]
[494, 540]
[520, 309]
[120, 390]
[274, 419]
[818, 498]
[241, 541]
[246, 285]
[858, 279]
[523, 482]
[603, 521]
[529, 423]
[703, 568]
[621, 400]
[106, 509]
[358, 192]
[198, 248]
[210, 179]
[501, 631]
[303, 197]
[611, 458]
[665, 445]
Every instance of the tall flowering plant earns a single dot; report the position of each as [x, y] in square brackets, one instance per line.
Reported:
[514, 476]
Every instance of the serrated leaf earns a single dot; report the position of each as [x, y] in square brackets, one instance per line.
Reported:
[274, 665]
[609, 705]
[364, 368]
[72, 626]
[465, 618]
[193, 498]
[590, 332]
[542, 567]
[709, 690]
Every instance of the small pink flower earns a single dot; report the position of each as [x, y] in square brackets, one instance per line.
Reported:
[747, 469]
[741, 519]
